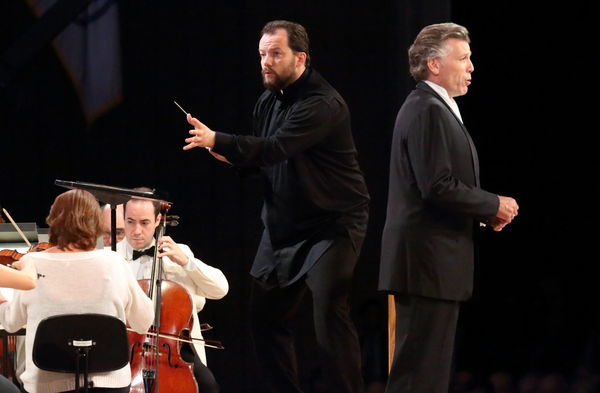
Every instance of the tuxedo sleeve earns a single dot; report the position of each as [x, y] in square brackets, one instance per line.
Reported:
[209, 281]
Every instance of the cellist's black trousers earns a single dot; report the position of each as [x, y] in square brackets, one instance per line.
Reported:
[204, 377]
[329, 281]
[6, 386]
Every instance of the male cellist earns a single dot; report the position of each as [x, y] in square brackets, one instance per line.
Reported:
[180, 266]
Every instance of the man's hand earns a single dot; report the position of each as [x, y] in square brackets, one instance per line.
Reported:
[498, 225]
[507, 211]
[168, 248]
[202, 136]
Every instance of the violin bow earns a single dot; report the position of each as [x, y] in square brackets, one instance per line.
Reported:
[207, 343]
[17, 228]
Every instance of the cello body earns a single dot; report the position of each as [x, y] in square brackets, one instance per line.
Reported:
[156, 363]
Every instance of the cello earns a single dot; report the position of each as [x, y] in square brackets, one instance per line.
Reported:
[155, 358]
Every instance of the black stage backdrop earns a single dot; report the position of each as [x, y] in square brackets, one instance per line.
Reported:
[535, 306]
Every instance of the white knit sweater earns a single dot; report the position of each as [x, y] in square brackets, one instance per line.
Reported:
[83, 282]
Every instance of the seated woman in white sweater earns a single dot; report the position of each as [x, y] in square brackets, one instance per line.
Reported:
[75, 279]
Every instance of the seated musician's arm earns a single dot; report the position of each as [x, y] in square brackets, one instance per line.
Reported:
[13, 315]
[139, 311]
[210, 282]
[23, 278]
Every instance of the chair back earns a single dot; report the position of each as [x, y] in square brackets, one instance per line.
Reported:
[60, 338]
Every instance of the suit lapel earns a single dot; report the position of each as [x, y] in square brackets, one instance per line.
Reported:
[475, 159]
[473, 155]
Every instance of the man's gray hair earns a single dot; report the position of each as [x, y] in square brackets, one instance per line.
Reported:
[429, 44]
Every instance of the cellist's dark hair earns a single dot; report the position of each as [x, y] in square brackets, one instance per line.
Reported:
[297, 36]
[155, 204]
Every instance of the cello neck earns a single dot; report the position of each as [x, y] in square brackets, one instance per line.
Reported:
[157, 267]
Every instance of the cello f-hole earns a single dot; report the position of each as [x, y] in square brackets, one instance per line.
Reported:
[169, 355]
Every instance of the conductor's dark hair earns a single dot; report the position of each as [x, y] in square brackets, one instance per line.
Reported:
[297, 35]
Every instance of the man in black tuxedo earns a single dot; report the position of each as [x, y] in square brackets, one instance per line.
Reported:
[435, 203]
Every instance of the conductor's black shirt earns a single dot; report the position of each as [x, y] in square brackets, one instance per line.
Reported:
[314, 188]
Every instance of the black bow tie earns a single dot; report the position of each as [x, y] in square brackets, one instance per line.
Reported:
[148, 251]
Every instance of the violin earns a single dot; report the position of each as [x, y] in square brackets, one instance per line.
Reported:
[8, 256]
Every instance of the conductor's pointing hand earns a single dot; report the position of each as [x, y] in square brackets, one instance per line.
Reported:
[201, 135]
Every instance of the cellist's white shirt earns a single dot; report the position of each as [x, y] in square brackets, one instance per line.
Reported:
[199, 279]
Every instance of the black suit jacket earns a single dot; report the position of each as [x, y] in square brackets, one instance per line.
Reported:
[434, 202]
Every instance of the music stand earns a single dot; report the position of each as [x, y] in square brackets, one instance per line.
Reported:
[114, 196]
[71, 342]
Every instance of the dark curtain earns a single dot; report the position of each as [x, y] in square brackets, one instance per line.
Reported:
[525, 111]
